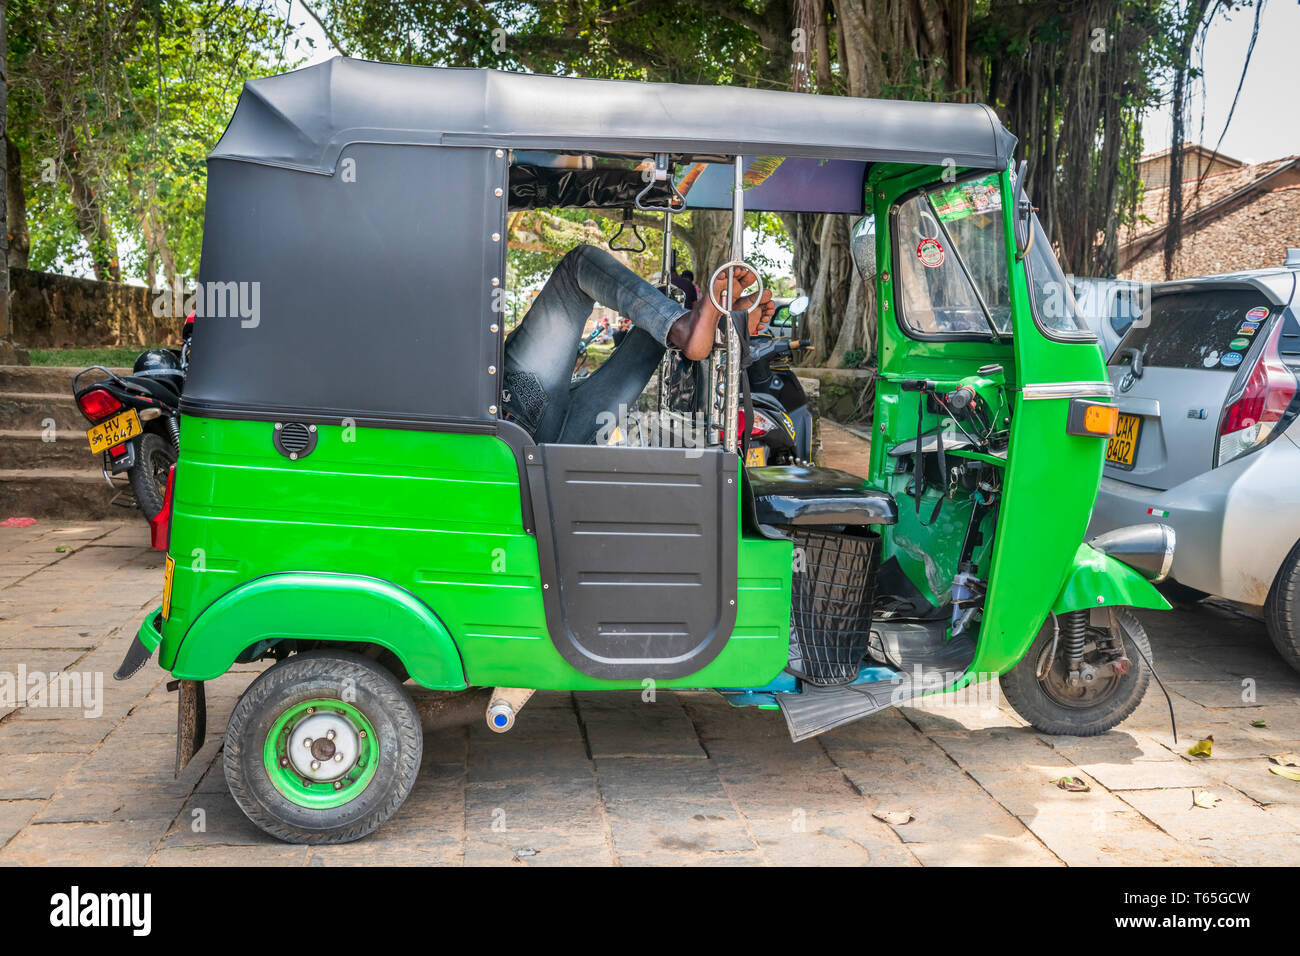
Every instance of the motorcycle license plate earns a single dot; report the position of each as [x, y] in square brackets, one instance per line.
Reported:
[1122, 449]
[756, 457]
[114, 431]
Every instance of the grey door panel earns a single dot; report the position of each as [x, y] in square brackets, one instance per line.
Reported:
[638, 555]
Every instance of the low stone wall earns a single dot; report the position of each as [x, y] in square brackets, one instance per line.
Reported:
[59, 312]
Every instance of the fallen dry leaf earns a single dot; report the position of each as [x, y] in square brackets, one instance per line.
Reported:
[1285, 760]
[1073, 784]
[1204, 799]
[1289, 773]
[895, 818]
[1201, 748]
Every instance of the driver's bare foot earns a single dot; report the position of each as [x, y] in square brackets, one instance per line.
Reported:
[693, 332]
[760, 317]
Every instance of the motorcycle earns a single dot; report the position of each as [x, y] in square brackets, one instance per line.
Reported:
[782, 429]
[135, 420]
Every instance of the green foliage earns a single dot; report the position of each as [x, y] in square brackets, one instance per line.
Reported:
[130, 97]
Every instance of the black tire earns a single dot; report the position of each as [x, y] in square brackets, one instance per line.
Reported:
[1180, 593]
[1282, 609]
[155, 458]
[304, 677]
[1034, 702]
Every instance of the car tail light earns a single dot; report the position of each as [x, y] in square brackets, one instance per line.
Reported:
[97, 404]
[160, 528]
[1251, 420]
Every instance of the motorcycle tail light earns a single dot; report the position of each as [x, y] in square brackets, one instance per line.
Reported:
[762, 424]
[1252, 419]
[97, 404]
[160, 528]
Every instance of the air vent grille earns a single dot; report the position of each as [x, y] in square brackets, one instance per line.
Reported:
[294, 439]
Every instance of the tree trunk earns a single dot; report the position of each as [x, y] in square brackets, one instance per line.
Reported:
[709, 239]
[19, 238]
[7, 352]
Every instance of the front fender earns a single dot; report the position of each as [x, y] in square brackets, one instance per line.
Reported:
[318, 607]
[1098, 580]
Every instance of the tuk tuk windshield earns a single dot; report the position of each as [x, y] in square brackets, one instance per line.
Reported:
[952, 260]
[1054, 305]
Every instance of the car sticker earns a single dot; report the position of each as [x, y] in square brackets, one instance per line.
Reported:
[1157, 513]
[1239, 344]
[1211, 358]
[930, 252]
[1231, 359]
[1259, 312]
[1248, 328]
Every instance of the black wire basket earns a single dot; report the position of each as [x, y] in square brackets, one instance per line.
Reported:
[830, 608]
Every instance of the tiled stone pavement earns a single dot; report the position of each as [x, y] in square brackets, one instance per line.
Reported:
[686, 780]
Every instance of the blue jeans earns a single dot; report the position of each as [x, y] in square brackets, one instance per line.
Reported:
[541, 351]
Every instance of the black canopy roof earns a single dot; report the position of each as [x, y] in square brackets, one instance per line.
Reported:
[303, 119]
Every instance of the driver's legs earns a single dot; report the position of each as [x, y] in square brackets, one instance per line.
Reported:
[599, 401]
[540, 353]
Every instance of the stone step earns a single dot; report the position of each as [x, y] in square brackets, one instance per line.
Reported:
[24, 410]
[63, 493]
[54, 379]
[27, 448]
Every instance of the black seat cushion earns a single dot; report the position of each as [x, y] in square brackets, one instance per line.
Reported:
[795, 495]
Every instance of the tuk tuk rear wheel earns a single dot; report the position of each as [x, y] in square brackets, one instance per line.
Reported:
[322, 748]
[1052, 706]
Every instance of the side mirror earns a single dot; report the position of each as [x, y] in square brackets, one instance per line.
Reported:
[799, 306]
[862, 244]
[1024, 213]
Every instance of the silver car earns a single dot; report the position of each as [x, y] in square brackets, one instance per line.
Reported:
[1206, 387]
[1110, 306]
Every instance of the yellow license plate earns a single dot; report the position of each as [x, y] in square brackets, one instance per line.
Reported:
[168, 567]
[756, 457]
[1122, 449]
[114, 431]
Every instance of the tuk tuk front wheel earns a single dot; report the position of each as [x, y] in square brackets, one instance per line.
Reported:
[1043, 690]
[322, 748]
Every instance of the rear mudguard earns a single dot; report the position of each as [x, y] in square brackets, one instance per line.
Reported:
[318, 607]
[1098, 580]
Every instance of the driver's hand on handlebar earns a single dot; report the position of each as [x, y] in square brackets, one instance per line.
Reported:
[743, 279]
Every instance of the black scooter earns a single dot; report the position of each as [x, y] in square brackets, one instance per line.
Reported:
[135, 420]
[782, 429]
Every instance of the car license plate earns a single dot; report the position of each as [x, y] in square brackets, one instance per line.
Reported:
[756, 457]
[114, 431]
[169, 567]
[1122, 449]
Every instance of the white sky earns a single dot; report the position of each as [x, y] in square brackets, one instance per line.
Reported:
[1266, 124]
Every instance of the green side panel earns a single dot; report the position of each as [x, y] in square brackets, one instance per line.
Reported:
[433, 514]
[330, 607]
[1098, 580]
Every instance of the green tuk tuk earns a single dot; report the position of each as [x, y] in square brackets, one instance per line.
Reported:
[352, 503]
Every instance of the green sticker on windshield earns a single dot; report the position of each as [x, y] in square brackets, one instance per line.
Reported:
[1239, 344]
[967, 199]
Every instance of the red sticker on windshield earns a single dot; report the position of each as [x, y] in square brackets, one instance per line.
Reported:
[930, 252]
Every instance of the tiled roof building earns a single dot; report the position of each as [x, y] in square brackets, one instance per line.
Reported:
[1241, 217]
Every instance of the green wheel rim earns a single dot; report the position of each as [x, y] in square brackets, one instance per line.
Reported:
[352, 779]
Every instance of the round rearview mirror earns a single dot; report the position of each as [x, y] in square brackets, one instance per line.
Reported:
[799, 306]
[862, 243]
